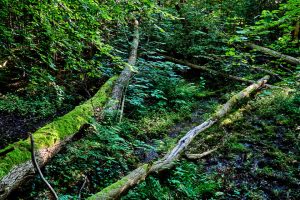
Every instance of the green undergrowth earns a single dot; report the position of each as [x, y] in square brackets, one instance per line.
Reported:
[258, 156]
[59, 129]
[110, 150]
[186, 181]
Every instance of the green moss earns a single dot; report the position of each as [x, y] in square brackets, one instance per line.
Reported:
[270, 131]
[237, 147]
[105, 192]
[55, 131]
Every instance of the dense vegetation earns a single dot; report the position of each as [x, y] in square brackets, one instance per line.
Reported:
[57, 54]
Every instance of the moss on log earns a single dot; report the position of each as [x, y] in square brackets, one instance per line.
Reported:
[118, 188]
[16, 164]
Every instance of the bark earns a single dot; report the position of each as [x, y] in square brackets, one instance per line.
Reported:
[289, 59]
[123, 80]
[115, 190]
[15, 161]
[201, 155]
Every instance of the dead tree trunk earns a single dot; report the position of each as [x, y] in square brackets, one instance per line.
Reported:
[15, 160]
[266, 71]
[115, 190]
[211, 71]
[123, 80]
[289, 59]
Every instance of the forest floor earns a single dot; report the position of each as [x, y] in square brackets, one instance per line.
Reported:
[257, 156]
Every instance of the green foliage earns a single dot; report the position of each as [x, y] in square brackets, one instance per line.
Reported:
[105, 147]
[30, 107]
[158, 87]
[58, 130]
[187, 181]
[276, 24]
[53, 49]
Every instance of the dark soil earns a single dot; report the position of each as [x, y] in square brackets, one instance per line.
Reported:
[260, 160]
[14, 127]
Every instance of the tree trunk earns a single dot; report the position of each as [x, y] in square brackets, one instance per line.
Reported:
[115, 190]
[289, 59]
[228, 76]
[15, 161]
[211, 71]
[123, 80]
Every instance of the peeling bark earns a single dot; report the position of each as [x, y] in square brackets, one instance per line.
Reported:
[289, 59]
[115, 190]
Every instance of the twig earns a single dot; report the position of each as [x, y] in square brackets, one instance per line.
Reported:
[83, 185]
[123, 104]
[201, 155]
[35, 164]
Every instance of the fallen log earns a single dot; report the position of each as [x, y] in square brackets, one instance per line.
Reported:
[266, 71]
[121, 84]
[289, 59]
[211, 71]
[16, 165]
[115, 190]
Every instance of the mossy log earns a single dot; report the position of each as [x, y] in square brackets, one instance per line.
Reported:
[115, 190]
[289, 59]
[123, 80]
[15, 160]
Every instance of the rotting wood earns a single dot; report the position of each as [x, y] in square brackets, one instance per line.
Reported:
[16, 165]
[133, 178]
[276, 54]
